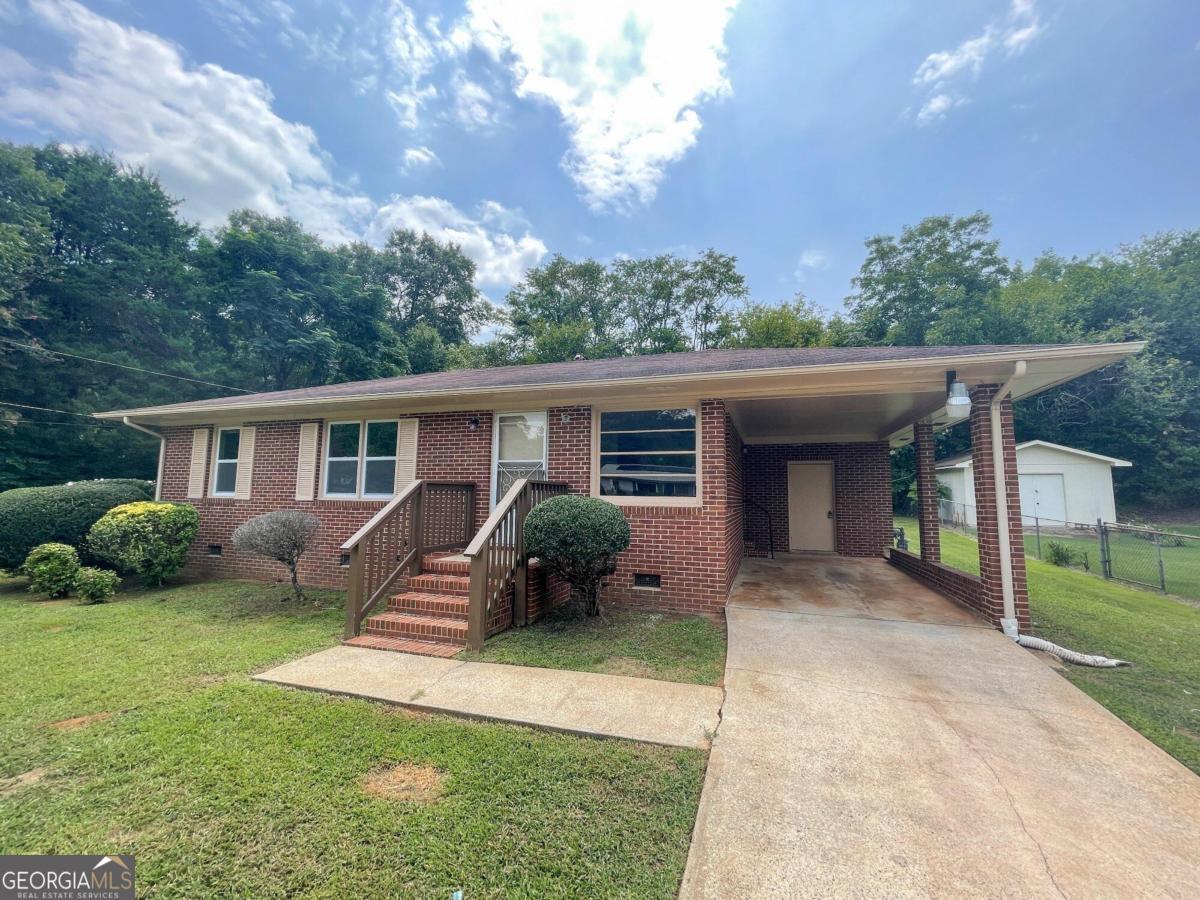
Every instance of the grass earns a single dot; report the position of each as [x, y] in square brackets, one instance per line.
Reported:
[223, 786]
[646, 645]
[1160, 694]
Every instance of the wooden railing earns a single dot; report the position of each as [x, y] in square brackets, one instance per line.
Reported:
[498, 558]
[425, 516]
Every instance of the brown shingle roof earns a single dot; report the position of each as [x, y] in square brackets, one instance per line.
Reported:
[594, 370]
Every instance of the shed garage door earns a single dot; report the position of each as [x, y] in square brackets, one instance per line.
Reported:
[1043, 496]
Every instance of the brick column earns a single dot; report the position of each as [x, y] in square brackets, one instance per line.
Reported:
[992, 595]
[927, 495]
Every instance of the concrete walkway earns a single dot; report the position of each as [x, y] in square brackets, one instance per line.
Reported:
[876, 743]
[638, 709]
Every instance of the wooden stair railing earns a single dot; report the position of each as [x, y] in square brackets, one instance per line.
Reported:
[498, 558]
[426, 516]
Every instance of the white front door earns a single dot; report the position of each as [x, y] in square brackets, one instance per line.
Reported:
[518, 450]
[810, 507]
[1043, 496]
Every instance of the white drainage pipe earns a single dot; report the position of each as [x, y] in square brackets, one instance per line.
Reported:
[1071, 656]
[1000, 488]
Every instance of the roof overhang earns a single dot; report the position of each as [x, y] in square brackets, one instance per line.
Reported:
[892, 394]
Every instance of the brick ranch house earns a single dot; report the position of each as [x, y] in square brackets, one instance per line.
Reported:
[422, 483]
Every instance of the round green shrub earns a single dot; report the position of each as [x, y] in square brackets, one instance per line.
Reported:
[60, 513]
[52, 569]
[578, 539]
[149, 539]
[96, 585]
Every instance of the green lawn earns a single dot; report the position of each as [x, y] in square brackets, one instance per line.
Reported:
[645, 645]
[1160, 694]
[223, 786]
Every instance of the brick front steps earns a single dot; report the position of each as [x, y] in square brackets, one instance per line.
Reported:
[429, 617]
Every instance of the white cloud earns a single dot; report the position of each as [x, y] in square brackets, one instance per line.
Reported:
[214, 139]
[417, 158]
[937, 106]
[938, 72]
[810, 260]
[626, 77]
[474, 105]
[500, 256]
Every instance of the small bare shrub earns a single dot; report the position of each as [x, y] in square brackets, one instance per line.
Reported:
[282, 535]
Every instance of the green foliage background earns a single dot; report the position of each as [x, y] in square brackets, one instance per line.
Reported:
[96, 262]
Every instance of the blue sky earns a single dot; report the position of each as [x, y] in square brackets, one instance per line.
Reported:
[782, 132]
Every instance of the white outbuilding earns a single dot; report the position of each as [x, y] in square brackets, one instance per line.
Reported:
[1058, 484]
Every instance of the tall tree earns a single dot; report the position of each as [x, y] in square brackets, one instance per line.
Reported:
[425, 282]
[290, 309]
[906, 284]
[98, 268]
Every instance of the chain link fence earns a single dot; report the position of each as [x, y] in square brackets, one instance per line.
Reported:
[1149, 557]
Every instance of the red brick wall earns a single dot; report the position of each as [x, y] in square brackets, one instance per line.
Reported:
[862, 483]
[927, 494]
[695, 550]
[446, 449]
[569, 447]
[735, 524]
[955, 584]
[992, 596]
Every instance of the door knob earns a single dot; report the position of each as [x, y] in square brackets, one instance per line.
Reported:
[829, 515]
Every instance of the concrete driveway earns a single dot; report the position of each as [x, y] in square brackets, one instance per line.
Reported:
[877, 741]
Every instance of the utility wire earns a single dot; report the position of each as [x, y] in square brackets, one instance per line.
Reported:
[104, 362]
[4, 424]
[45, 408]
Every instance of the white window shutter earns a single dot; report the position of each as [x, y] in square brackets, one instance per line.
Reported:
[245, 463]
[406, 453]
[195, 488]
[306, 465]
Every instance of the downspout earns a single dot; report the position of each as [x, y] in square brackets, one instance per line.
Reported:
[162, 451]
[1009, 620]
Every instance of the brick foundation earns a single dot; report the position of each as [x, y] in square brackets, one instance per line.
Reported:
[862, 478]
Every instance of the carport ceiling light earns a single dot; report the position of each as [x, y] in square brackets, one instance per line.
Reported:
[958, 402]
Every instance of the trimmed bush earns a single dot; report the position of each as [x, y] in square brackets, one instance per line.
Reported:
[282, 535]
[96, 585]
[60, 513]
[149, 539]
[52, 569]
[578, 539]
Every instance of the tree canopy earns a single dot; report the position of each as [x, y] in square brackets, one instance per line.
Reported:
[97, 264]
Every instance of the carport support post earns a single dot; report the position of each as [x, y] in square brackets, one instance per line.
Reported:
[927, 495]
[986, 504]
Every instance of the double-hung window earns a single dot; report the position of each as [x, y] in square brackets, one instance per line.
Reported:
[225, 465]
[648, 453]
[360, 459]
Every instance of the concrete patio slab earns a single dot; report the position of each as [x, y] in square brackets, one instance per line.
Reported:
[637, 709]
[869, 756]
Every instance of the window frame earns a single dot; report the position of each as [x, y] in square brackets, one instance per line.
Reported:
[692, 406]
[217, 461]
[360, 460]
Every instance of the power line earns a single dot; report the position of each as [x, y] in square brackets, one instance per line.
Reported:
[4, 423]
[45, 408]
[104, 362]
